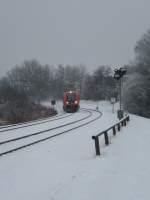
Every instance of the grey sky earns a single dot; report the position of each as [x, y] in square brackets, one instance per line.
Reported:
[90, 32]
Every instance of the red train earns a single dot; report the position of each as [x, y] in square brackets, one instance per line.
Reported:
[71, 101]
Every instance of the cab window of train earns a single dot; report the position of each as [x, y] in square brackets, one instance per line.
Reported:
[71, 98]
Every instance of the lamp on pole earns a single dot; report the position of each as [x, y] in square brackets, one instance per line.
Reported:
[118, 75]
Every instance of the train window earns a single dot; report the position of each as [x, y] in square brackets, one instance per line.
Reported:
[71, 97]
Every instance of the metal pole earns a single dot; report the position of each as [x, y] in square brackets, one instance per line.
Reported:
[120, 93]
[113, 109]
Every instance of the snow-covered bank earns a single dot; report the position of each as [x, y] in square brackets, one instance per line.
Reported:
[66, 167]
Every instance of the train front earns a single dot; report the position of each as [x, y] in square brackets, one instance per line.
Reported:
[71, 101]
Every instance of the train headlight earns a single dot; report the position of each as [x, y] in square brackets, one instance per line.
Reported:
[67, 102]
[76, 102]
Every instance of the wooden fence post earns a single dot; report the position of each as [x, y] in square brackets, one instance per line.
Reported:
[125, 123]
[97, 147]
[119, 127]
[114, 130]
[106, 138]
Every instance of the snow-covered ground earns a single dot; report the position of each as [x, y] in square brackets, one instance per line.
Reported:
[66, 168]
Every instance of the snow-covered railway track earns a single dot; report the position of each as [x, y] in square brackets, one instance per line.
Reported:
[16, 143]
[27, 124]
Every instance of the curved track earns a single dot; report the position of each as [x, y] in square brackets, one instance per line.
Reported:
[27, 124]
[12, 139]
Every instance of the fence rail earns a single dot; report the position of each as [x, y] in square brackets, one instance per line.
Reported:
[114, 128]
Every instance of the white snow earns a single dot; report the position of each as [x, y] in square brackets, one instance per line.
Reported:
[66, 168]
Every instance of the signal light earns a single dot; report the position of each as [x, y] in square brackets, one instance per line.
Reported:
[119, 73]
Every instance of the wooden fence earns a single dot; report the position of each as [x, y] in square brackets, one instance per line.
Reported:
[114, 128]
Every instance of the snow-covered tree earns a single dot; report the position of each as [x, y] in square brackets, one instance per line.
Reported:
[137, 87]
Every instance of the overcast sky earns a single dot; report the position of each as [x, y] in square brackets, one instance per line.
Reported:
[90, 32]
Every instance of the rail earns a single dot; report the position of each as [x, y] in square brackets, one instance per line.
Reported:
[122, 122]
[12, 147]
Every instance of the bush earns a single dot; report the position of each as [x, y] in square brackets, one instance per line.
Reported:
[15, 107]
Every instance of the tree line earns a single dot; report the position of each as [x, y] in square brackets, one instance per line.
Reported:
[27, 84]
[31, 82]
[40, 82]
[137, 83]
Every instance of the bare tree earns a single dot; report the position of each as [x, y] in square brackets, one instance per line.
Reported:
[32, 78]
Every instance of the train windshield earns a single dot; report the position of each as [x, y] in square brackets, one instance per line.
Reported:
[71, 97]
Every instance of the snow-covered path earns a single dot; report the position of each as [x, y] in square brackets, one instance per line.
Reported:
[66, 168]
